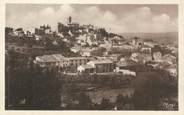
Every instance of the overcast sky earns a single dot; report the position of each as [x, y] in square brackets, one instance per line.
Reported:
[117, 18]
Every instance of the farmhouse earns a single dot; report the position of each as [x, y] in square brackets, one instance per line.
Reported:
[85, 68]
[102, 66]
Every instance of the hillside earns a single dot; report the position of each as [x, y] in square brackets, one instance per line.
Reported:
[170, 38]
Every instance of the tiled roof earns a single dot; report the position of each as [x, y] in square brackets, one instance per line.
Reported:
[101, 61]
[168, 56]
[126, 62]
[51, 58]
[58, 56]
[87, 66]
[77, 58]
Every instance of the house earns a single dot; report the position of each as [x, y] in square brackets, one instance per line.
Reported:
[75, 49]
[112, 57]
[169, 58]
[102, 66]
[60, 35]
[28, 33]
[61, 28]
[87, 52]
[149, 44]
[153, 64]
[172, 71]
[146, 49]
[157, 56]
[37, 37]
[87, 28]
[60, 61]
[85, 68]
[19, 32]
[125, 72]
[76, 61]
[91, 40]
[141, 57]
[70, 33]
[55, 43]
[48, 30]
[45, 29]
[81, 39]
[125, 66]
[125, 63]
[50, 60]
[106, 45]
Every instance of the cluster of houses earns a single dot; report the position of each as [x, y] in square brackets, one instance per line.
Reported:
[82, 64]
[88, 40]
[88, 63]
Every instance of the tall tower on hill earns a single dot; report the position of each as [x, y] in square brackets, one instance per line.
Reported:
[69, 19]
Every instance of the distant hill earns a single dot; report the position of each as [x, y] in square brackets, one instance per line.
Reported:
[170, 38]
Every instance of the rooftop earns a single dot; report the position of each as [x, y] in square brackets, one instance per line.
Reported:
[51, 58]
[77, 58]
[169, 56]
[126, 62]
[87, 66]
[101, 61]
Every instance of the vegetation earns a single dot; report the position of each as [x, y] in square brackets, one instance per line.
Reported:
[150, 88]
[27, 87]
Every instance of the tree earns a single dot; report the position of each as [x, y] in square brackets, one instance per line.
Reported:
[120, 101]
[84, 102]
[39, 90]
[105, 104]
[150, 87]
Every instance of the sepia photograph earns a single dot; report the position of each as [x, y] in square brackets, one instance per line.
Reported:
[114, 57]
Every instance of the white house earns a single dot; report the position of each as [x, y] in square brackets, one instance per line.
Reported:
[146, 49]
[49, 60]
[157, 56]
[169, 58]
[75, 49]
[150, 44]
[37, 37]
[87, 52]
[125, 72]
[85, 68]
[19, 32]
[141, 57]
[102, 66]
[172, 71]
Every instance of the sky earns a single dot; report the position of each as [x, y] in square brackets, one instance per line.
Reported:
[118, 18]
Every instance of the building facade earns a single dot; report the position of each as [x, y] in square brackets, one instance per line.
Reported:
[85, 69]
[102, 66]
[57, 60]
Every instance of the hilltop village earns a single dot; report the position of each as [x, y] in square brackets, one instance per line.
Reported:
[88, 49]
[81, 52]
